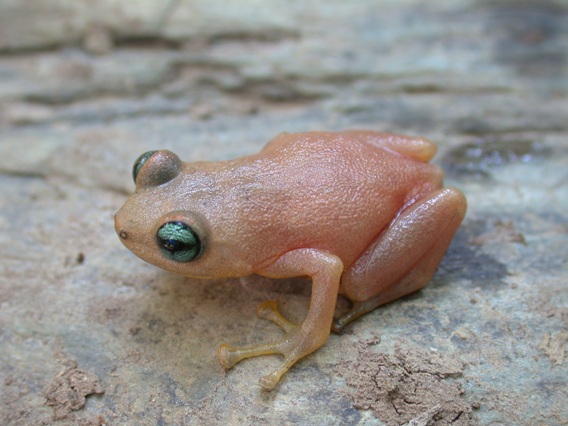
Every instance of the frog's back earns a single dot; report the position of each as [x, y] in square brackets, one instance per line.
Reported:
[336, 191]
[415, 148]
[381, 163]
[418, 148]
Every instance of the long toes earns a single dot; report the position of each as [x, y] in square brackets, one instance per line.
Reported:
[269, 381]
[294, 345]
[338, 326]
[267, 310]
[226, 355]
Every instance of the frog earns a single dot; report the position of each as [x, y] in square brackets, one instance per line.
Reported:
[362, 214]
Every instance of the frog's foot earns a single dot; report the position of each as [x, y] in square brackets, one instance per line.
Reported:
[357, 310]
[294, 345]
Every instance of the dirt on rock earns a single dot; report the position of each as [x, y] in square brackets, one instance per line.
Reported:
[408, 387]
[68, 390]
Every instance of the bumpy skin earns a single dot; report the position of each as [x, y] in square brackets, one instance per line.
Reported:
[362, 213]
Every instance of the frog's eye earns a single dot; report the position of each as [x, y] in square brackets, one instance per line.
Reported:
[179, 242]
[155, 168]
[140, 162]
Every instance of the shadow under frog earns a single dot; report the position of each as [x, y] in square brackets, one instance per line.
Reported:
[361, 213]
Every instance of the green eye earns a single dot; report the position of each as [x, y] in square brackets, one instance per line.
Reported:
[140, 162]
[178, 242]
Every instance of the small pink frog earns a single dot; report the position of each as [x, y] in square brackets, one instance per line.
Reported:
[363, 214]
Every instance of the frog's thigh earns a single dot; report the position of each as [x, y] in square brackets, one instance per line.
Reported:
[404, 258]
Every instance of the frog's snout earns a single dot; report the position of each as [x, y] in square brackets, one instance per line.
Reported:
[120, 231]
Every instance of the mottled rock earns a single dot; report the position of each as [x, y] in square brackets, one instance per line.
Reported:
[85, 87]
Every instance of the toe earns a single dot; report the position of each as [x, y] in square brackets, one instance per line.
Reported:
[224, 354]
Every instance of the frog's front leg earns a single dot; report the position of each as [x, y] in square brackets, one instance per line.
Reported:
[300, 340]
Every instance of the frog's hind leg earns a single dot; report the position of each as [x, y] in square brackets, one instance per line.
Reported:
[403, 258]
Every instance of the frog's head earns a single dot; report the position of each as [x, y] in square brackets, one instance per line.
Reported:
[158, 223]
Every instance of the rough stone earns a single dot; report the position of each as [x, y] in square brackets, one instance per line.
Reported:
[85, 88]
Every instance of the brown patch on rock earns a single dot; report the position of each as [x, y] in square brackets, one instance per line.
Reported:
[503, 232]
[408, 387]
[68, 390]
[553, 346]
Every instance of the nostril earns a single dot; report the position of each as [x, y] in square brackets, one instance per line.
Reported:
[123, 235]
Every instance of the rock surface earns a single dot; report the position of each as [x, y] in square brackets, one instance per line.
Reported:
[86, 87]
